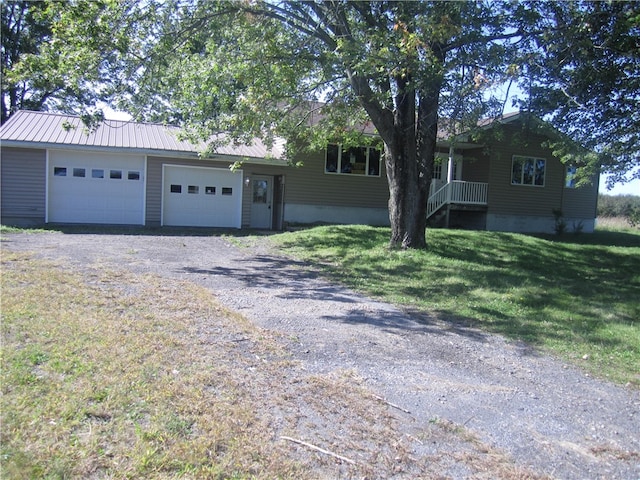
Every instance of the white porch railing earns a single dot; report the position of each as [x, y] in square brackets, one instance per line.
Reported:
[458, 192]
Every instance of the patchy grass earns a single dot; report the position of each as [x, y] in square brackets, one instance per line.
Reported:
[576, 295]
[108, 374]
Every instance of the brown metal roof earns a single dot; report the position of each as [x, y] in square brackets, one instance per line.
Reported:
[29, 128]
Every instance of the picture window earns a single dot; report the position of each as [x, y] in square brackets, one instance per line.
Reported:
[209, 190]
[115, 174]
[79, 172]
[133, 175]
[59, 171]
[176, 188]
[193, 189]
[227, 191]
[528, 171]
[363, 161]
[97, 173]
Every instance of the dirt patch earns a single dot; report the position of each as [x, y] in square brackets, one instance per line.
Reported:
[547, 416]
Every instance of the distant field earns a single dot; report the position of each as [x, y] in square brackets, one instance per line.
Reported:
[575, 295]
[614, 223]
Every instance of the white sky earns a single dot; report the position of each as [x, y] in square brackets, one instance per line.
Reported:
[631, 188]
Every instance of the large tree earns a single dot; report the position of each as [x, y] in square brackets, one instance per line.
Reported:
[62, 55]
[320, 71]
[317, 71]
[22, 34]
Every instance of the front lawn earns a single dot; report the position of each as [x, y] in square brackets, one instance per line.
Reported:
[576, 295]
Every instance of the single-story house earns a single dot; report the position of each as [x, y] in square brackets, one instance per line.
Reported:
[55, 171]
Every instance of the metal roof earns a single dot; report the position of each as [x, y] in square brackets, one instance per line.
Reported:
[44, 129]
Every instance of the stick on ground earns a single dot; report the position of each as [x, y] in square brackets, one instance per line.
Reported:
[318, 449]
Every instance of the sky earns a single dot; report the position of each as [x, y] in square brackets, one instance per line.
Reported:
[631, 188]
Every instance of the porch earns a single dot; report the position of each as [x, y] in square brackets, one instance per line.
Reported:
[444, 196]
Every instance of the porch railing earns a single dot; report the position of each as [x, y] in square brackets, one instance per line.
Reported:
[458, 192]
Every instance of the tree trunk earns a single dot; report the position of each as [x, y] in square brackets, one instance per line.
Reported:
[409, 154]
[407, 197]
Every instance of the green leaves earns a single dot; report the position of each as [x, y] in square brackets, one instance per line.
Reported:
[587, 80]
[64, 55]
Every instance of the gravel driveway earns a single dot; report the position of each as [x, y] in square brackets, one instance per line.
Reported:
[547, 415]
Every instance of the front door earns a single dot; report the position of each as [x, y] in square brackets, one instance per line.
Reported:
[261, 201]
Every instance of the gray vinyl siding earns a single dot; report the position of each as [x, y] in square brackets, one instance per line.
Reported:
[307, 185]
[507, 199]
[581, 202]
[153, 199]
[310, 185]
[23, 172]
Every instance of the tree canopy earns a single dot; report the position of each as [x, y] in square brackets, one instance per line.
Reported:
[318, 71]
[585, 79]
[321, 71]
[61, 56]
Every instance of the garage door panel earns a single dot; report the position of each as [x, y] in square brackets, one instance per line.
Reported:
[202, 197]
[82, 188]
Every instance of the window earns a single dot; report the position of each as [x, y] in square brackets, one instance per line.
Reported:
[528, 171]
[79, 172]
[570, 177]
[260, 190]
[353, 161]
[176, 188]
[59, 171]
[97, 173]
[193, 189]
[227, 191]
[115, 174]
[133, 175]
[209, 190]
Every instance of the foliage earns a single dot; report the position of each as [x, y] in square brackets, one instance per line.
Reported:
[22, 34]
[586, 78]
[318, 72]
[327, 71]
[62, 56]
[574, 295]
[625, 206]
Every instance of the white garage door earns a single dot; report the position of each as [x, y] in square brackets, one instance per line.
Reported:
[201, 197]
[95, 188]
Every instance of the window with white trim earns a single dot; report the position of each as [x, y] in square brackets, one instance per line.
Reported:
[363, 161]
[529, 171]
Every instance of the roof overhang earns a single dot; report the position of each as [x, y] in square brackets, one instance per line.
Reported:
[147, 152]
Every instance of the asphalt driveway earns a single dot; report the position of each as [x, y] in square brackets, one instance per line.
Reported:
[547, 415]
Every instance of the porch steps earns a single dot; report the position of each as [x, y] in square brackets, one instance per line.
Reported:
[457, 193]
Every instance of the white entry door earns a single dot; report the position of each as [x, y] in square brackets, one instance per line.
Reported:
[261, 201]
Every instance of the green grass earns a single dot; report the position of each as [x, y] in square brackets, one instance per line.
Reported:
[109, 374]
[576, 295]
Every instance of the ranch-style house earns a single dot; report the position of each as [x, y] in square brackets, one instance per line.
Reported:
[54, 171]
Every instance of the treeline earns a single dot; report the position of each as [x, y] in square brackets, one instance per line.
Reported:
[624, 206]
